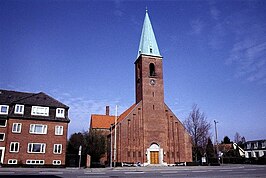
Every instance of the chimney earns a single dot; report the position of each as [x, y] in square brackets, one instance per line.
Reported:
[107, 112]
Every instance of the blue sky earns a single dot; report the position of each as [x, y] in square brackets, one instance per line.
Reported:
[83, 52]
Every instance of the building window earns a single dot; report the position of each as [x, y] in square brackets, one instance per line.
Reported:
[4, 109]
[38, 129]
[59, 130]
[39, 111]
[36, 147]
[256, 145]
[57, 148]
[19, 109]
[12, 161]
[263, 144]
[248, 145]
[60, 112]
[152, 69]
[16, 128]
[14, 147]
[36, 162]
[2, 136]
[2, 123]
[56, 162]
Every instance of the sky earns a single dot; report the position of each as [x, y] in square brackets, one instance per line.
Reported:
[82, 53]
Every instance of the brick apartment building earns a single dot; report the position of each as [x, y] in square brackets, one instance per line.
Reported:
[148, 132]
[33, 129]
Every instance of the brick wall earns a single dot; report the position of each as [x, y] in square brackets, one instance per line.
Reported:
[25, 137]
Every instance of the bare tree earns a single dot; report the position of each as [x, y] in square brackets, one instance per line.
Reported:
[237, 138]
[199, 129]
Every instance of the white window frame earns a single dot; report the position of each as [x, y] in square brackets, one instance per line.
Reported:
[57, 149]
[12, 161]
[256, 145]
[57, 162]
[5, 123]
[39, 111]
[43, 129]
[14, 146]
[31, 146]
[263, 144]
[7, 108]
[3, 137]
[59, 130]
[60, 112]
[16, 128]
[20, 109]
[35, 162]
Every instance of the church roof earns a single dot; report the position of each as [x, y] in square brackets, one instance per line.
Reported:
[148, 44]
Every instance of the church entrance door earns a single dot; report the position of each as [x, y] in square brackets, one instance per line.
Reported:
[154, 157]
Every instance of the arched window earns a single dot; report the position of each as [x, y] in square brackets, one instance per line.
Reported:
[152, 69]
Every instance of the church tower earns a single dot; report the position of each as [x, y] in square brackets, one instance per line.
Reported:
[150, 90]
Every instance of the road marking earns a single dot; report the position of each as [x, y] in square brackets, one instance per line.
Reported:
[228, 170]
[199, 171]
[7, 172]
[169, 172]
[51, 173]
[250, 169]
[93, 176]
[134, 172]
[175, 175]
[97, 173]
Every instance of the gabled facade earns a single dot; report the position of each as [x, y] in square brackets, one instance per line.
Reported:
[33, 129]
[255, 149]
[149, 132]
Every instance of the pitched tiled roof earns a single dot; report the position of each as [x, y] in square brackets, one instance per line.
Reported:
[37, 99]
[125, 113]
[101, 121]
[105, 121]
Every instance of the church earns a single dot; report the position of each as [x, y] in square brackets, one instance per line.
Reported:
[148, 132]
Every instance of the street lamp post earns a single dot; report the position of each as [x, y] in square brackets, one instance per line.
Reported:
[216, 140]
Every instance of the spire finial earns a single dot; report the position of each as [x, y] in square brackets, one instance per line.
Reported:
[148, 44]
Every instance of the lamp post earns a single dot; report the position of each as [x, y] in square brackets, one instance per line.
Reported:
[216, 140]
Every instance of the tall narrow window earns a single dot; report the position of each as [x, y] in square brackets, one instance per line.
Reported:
[152, 69]
[14, 147]
[59, 130]
[16, 128]
[57, 148]
[19, 109]
[60, 112]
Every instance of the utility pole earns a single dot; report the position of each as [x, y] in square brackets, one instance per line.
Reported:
[115, 135]
[216, 140]
[111, 154]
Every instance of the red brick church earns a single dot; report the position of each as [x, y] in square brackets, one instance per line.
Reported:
[148, 132]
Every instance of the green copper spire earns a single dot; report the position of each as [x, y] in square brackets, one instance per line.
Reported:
[148, 44]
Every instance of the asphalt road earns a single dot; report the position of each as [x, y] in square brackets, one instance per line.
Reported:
[225, 171]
